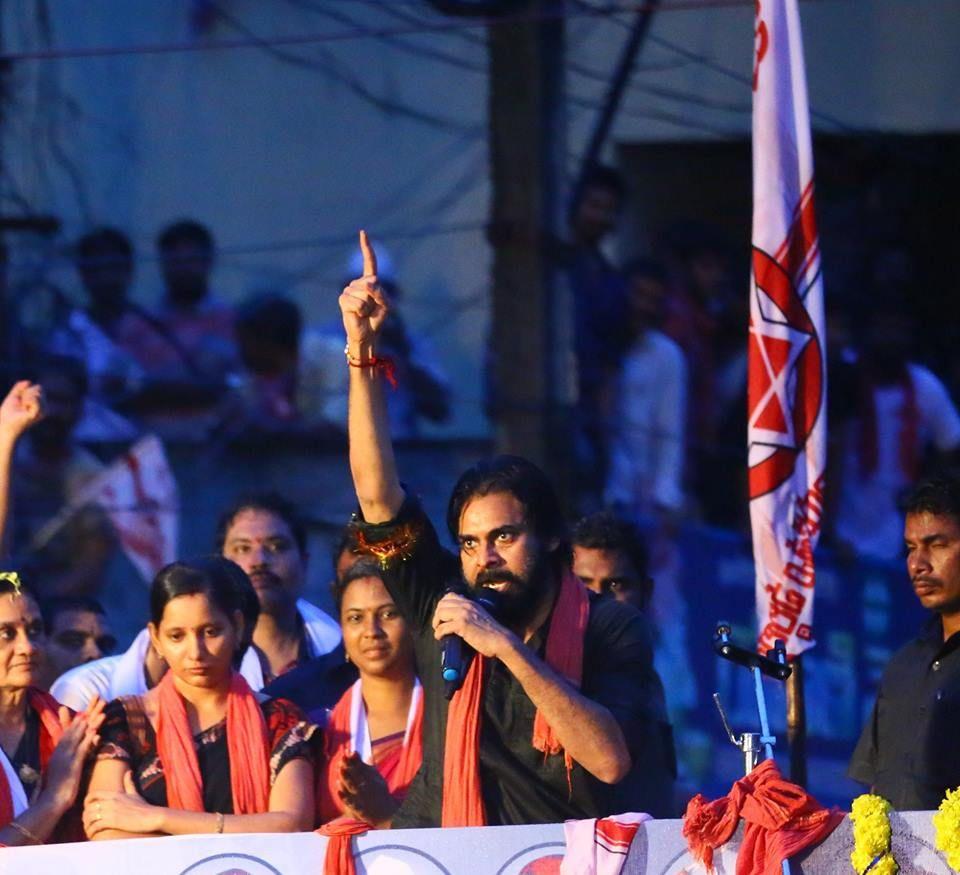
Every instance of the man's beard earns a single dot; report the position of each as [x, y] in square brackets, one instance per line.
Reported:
[516, 605]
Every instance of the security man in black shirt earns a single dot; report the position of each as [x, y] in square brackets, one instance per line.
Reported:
[908, 752]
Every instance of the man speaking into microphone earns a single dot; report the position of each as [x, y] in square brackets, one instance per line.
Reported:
[561, 697]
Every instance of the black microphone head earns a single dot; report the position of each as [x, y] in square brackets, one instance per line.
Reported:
[458, 587]
[489, 599]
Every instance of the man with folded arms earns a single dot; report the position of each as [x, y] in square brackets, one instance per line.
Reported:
[557, 692]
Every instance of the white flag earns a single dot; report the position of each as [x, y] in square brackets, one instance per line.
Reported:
[139, 494]
[786, 425]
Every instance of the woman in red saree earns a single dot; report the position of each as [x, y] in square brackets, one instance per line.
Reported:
[43, 747]
[200, 752]
[372, 743]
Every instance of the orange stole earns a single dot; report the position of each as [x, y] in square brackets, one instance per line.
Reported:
[48, 710]
[462, 793]
[398, 766]
[247, 748]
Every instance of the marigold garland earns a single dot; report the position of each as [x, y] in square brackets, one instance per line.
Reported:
[946, 826]
[871, 836]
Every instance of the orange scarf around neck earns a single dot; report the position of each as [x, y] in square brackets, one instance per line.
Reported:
[48, 710]
[462, 793]
[398, 770]
[247, 749]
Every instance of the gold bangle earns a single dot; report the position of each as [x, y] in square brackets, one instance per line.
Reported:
[219, 821]
[29, 836]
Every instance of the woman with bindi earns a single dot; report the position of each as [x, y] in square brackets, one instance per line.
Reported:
[43, 745]
[372, 743]
[200, 752]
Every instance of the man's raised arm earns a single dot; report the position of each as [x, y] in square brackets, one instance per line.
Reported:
[19, 410]
[372, 462]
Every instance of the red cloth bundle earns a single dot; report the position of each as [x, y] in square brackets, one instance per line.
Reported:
[781, 820]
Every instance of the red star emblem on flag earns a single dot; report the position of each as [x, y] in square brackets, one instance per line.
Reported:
[784, 391]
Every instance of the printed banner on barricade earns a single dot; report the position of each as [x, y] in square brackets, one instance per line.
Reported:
[786, 426]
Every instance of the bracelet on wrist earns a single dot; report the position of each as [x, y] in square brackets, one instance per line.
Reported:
[378, 363]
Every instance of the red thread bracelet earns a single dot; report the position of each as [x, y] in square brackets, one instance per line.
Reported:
[378, 363]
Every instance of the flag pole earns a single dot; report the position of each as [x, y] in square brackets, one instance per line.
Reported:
[797, 724]
[786, 390]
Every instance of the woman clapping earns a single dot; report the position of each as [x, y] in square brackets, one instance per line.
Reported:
[43, 747]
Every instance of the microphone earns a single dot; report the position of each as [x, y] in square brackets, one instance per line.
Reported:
[455, 653]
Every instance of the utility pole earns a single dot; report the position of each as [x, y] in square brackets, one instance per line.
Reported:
[6, 330]
[531, 315]
[11, 341]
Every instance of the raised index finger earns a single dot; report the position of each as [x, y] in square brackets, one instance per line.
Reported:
[369, 256]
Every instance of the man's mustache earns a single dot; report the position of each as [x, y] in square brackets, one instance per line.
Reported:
[498, 576]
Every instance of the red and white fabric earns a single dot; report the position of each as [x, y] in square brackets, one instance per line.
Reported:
[350, 717]
[13, 798]
[786, 375]
[907, 418]
[360, 741]
[139, 494]
[348, 732]
[599, 846]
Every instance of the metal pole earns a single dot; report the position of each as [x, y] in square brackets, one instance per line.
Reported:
[797, 724]
[527, 145]
[618, 84]
[762, 711]
[765, 737]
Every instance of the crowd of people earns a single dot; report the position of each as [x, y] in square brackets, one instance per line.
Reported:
[659, 425]
[195, 365]
[241, 707]
[193, 369]
[662, 354]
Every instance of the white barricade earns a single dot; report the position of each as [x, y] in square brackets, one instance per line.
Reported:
[658, 849]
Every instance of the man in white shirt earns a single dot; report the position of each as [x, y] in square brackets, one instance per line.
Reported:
[130, 673]
[648, 432]
[264, 536]
[902, 410]
[104, 259]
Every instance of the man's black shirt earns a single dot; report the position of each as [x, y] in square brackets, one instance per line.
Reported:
[316, 685]
[909, 751]
[520, 784]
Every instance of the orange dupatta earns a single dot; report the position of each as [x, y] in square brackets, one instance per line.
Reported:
[247, 748]
[398, 770]
[462, 794]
